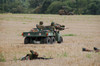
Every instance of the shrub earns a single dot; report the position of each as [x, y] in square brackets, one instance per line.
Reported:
[55, 7]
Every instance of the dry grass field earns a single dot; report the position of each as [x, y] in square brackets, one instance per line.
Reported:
[84, 30]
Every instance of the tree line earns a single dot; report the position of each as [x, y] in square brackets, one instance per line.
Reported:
[50, 6]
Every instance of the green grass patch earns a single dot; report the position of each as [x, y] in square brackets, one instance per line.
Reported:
[65, 54]
[24, 23]
[15, 58]
[88, 55]
[69, 35]
[98, 53]
[2, 59]
[62, 55]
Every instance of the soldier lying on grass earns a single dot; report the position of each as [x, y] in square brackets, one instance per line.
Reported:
[95, 50]
[33, 55]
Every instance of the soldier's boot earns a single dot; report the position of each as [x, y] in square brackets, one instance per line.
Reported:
[96, 49]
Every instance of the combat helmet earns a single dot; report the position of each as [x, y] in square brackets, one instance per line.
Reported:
[41, 23]
[52, 23]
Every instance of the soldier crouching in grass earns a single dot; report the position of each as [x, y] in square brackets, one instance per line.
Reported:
[33, 55]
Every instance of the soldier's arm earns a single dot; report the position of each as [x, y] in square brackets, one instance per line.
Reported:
[32, 52]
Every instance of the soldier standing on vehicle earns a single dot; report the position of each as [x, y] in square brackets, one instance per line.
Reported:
[40, 26]
[53, 25]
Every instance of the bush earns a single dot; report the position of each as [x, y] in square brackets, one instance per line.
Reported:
[18, 9]
[45, 6]
[38, 9]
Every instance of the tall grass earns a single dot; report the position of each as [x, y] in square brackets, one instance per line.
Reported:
[69, 35]
[88, 55]
[2, 59]
[64, 54]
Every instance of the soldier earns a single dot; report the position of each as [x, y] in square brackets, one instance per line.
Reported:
[33, 55]
[96, 49]
[53, 25]
[84, 49]
[60, 27]
[57, 26]
[40, 26]
[41, 23]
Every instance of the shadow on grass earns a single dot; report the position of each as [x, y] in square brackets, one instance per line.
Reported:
[38, 58]
[43, 58]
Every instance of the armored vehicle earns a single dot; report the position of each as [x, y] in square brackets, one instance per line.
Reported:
[64, 11]
[43, 35]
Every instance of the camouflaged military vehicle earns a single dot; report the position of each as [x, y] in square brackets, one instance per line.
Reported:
[45, 35]
[64, 11]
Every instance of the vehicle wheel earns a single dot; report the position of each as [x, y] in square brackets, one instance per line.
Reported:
[48, 40]
[53, 40]
[26, 40]
[30, 40]
[61, 40]
[42, 41]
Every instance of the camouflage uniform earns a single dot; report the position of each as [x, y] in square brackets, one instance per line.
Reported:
[57, 26]
[60, 27]
[40, 26]
[53, 25]
[33, 55]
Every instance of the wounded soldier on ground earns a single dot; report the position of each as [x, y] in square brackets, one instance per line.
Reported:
[33, 55]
